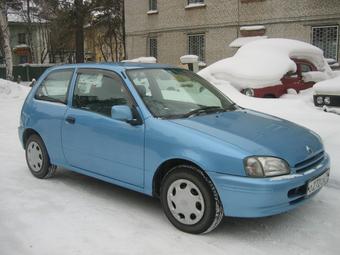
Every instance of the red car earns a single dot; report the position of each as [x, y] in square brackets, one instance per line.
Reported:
[289, 81]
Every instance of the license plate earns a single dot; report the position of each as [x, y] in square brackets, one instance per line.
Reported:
[317, 183]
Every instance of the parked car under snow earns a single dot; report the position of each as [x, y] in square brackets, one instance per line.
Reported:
[327, 92]
[270, 67]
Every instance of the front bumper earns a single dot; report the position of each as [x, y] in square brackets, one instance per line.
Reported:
[334, 100]
[259, 197]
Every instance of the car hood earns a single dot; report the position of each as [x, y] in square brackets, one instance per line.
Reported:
[258, 134]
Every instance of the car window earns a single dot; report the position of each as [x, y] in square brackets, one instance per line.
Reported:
[173, 92]
[305, 68]
[180, 87]
[98, 92]
[55, 86]
[291, 74]
[142, 85]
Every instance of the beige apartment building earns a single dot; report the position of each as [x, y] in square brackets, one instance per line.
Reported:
[168, 29]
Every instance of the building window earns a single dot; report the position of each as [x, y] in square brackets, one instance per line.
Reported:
[22, 38]
[152, 5]
[153, 47]
[23, 59]
[327, 39]
[195, 1]
[196, 46]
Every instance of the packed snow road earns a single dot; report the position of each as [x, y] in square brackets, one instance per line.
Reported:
[75, 214]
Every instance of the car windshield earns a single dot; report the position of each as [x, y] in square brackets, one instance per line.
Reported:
[177, 93]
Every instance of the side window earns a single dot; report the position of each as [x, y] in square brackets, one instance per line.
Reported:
[98, 92]
[55, 86]
[291, 74]
[305, 68]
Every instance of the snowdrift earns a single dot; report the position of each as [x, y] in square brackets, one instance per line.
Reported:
[328, 87]
[10, 89]
[263, 63]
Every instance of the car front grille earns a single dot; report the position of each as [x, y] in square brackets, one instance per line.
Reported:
[309, 162]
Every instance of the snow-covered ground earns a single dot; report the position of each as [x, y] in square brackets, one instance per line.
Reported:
[75, 214]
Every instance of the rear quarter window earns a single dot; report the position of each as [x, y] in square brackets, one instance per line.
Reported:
[55, 86]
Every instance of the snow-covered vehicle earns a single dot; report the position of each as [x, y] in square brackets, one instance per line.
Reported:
[270, 67]
[327, 92]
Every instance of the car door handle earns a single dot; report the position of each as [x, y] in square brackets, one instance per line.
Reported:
[70, 119]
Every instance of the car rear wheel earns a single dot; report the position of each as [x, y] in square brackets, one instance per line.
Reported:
[37, 158]
[190, 200]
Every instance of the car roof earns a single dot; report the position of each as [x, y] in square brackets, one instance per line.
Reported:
[113, 66]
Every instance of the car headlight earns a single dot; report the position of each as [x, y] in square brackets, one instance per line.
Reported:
[265, 166]
[319, 100]
[249, 92]
[327, 100]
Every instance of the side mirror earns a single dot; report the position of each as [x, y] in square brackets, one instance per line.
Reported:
[121, 112]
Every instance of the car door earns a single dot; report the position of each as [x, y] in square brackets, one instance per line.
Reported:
[48, 109]
[303, 68]
[292, 81]
[95, 142]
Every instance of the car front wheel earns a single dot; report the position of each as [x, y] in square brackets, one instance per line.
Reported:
[190, 200]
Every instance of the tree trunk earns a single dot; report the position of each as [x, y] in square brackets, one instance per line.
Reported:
[123, 28]
[116, 47]
[79, 30]
[5, 37]
[29, 32]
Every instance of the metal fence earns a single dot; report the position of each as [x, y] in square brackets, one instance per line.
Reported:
[26, 72]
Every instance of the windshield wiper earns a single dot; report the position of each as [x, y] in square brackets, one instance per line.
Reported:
[205, 109]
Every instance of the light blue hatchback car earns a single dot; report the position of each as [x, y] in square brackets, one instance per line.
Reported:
[166, 132]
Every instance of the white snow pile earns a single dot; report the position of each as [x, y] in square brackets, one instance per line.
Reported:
[194, 5]
[263, 63]
[241, 41]
[187, 59]
[315, 76]
[10, 89]
[149, 60]
[252, 28]
[328, 87]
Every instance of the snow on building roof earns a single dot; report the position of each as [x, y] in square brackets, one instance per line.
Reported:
[21, 46]
[263, 63]
[17, 17]
[241, 41]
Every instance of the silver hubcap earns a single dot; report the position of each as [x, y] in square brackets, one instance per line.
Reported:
[185, 202]
[34, 156]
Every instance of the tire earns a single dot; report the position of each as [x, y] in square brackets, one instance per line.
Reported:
[190, 200]
[37, 158]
